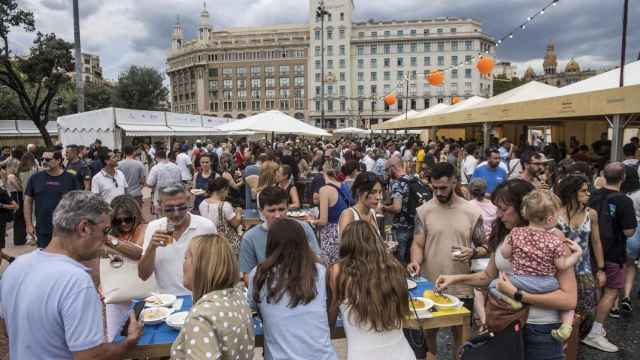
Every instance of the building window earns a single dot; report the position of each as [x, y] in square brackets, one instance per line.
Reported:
[330, 90]
[299, 69]
[361, 34]
[468, 44]
[342, 50]
[255, 94]
[343, 76]
[360, 76]
[360, 90]
[441, 46]
[317, 51]
[426, 31]
[317, 34]
[213, 72]
[360, 63]
[439, 31]
[298, 104]
[467, 59]
[341, 32]
[241, 83]
[453, 30]
[387, 33]
[284, 104]
[413, 32]
[387, 48]
[427, 61]
[284, 70]
[426, 103]
[269, 104]
[400, 61]
[228, 106]
[414, 104]
[318, 90]
[414, 61]
[284, 82]
[341, 16]
[343, 90]
[329, 105]
[329, 50]
[330, 64]
[413, 76]
[242, 72]
[387, 75]
[400, 48]
[387, 62]
[343, 106]
[400, 75]
[318, 64]
[374, 62]
[360, 106]
[414, 47]
[374, 90]
[242, 106]
[467, 73]
[318, 77]
[440, 60]
[427, 47]
[374, 76]
[228, 84]
[360, 50]
[400, 104]
[317, 106]
[255, 105]
[454, 46]
[454, 73]
[400, 33]
[374, 34]
[298, 81]
[329, 34]
[270, 94]
[271, 83]
[454, 60]
[255, 71]
[374, 49]
[227, 72]
[268, 70]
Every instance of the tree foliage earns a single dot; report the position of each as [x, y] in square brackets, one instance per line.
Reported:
[502, 84]
[35, 79]
[140, 88]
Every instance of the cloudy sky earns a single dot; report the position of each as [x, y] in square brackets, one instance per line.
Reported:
[126, 32]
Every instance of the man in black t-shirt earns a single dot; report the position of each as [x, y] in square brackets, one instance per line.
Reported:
[46, 189]
[78, 167]
[616, 222]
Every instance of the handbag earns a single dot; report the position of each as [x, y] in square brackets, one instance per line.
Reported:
[229, 233]
[120, 282]
[507, 344]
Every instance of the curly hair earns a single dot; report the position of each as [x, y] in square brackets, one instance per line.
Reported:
[371, 281]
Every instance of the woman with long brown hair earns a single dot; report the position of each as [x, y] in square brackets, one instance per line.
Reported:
[289, 291]
[368, 286]
[210, 271]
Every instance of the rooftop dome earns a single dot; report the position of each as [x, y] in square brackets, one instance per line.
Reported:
[572, 66]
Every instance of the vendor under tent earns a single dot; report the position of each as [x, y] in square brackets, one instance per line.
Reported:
[116, 127]
[575, 111]
[273, 122]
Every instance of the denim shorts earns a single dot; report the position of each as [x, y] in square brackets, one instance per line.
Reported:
[633, 245]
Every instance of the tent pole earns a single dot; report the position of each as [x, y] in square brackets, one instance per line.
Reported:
[616, 141]
[485, 136]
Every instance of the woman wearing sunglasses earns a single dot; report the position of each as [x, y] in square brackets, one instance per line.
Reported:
[124, 248]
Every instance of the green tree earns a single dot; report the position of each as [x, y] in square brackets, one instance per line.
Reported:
[502, 84]
[10, 108]
[37, 78]
[97, 95]
[140, 88]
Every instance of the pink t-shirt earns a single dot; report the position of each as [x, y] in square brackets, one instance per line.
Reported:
[534, 251]
[488, 214]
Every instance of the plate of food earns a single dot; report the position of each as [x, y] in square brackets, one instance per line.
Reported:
[160, 300]
[442, 301]
[420, 306]
[296, 214]
[176, 320]
[198, 192]
[411, 284]
[154, 315]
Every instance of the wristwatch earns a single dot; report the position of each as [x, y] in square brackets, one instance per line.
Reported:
[518, 296]
[115, 242]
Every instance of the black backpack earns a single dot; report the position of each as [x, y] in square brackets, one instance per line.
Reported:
[600, 203]
[631, 181]
[419, 193]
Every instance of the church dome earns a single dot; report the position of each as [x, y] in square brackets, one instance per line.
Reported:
[572, 66]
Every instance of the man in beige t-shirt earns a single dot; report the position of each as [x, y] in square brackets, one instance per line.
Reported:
[448, 233]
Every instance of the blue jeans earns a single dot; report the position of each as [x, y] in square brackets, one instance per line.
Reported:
[528, 283]
[540, 345]
[404, 237]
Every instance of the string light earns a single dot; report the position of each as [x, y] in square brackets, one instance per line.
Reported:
[509, 35]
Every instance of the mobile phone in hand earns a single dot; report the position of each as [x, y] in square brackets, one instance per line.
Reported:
[137, 309]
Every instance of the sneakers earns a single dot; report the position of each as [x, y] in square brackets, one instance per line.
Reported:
[598, 341]
[625, 306]
[614, 313]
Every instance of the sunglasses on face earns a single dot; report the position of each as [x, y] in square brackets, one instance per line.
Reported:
[175, 208]
[124, 220]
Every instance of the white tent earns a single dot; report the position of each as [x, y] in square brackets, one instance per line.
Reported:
[351, 130]
[273, 122]
[408, 115]
[24, 128]
[465, 104]
[529, 91]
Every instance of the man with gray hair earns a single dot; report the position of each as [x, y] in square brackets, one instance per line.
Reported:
[50, 307]
[167, 239]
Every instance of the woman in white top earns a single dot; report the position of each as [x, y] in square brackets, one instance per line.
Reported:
[367, 193]
[211, 207]
[372, 314]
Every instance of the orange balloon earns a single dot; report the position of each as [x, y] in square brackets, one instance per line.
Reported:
[390, 100]
[485, 65]
[455, 100]
[436, 78]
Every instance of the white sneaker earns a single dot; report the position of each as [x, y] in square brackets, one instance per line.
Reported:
[599, 342]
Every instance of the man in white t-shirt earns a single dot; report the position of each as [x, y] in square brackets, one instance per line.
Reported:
[469, 163]
[167, 239]
[183, 160]
[368, 161]
[109, 182]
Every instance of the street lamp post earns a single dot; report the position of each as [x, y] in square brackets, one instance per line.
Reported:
[78, 56]
[321, 13]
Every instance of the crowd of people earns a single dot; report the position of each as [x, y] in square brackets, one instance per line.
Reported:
[548, 232]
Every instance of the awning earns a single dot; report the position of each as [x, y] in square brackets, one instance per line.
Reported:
[145, 130]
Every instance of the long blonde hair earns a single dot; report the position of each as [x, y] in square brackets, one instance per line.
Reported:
[214, 265]
[268, 176]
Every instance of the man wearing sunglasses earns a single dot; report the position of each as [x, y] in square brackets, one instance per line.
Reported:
[55, 284]
[109, 182]
[46, 188]
[253, 247]
[167, 239]
[534, 165]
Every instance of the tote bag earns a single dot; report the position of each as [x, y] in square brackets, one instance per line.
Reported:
[121, 284]
[507, 344]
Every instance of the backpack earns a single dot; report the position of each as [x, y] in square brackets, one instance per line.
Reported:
[419, 193]
[600, 203]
